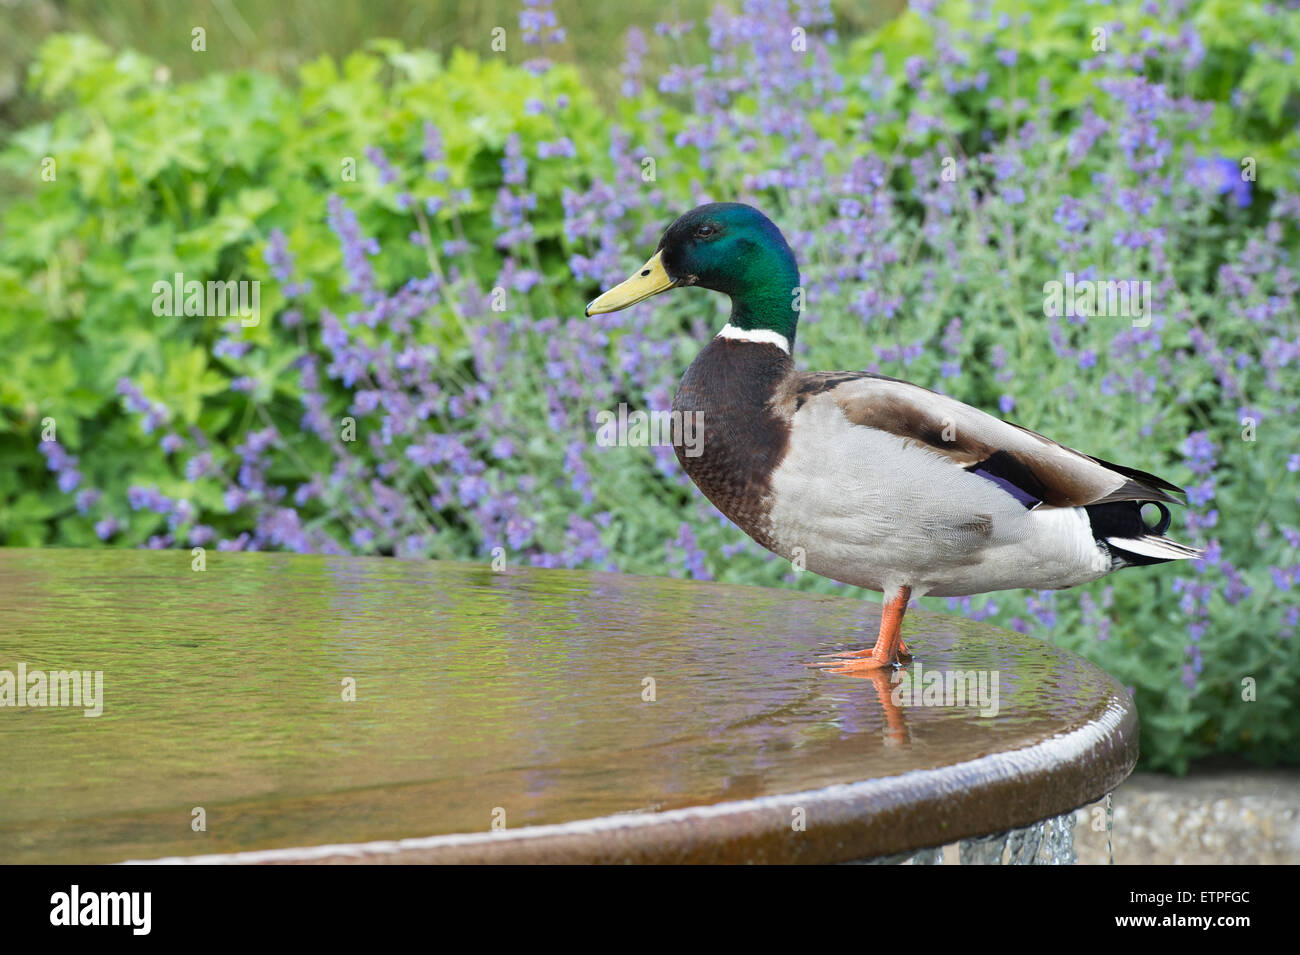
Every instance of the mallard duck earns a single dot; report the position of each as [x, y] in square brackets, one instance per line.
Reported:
[868, 479]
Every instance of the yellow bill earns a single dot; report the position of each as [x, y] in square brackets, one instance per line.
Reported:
[650, 279]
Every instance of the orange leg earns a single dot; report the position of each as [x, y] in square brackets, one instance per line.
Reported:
[889, 645]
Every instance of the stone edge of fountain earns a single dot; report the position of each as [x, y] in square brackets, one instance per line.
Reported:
[846, 822]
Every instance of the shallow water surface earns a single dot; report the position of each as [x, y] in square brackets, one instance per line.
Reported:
[519, 694]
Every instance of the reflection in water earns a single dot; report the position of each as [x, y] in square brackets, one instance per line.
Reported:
[537, 696]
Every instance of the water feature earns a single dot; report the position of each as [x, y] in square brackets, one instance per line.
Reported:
[1110, 826]
[293, 701]
[1047, 842]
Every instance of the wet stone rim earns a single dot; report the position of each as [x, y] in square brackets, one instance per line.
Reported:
[845, 822]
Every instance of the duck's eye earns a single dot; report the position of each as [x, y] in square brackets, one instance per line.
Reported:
[704, 231]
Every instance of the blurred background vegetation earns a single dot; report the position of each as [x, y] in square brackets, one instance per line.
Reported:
[279, 37]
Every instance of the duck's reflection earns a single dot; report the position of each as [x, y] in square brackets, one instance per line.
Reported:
[887, 682]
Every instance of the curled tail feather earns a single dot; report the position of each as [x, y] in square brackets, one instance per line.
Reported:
[1121, 529]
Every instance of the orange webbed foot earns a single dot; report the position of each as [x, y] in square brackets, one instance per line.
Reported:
[889, 650]
[862, 665]
[903, 653]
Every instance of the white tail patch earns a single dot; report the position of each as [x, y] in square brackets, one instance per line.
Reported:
[762, 335]
[1151, 546]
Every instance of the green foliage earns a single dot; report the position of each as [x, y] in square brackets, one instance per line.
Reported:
[1240, 58]
[153, 178]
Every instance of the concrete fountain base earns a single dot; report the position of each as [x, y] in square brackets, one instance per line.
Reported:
[1225, 816]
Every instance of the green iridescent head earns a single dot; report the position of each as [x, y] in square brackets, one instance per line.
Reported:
[728, 247]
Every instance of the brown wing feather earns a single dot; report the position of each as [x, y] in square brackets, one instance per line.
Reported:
[1051, 472]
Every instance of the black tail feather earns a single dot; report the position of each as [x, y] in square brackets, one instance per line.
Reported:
[1124, 519]
[1117, 521]
[1141, 486]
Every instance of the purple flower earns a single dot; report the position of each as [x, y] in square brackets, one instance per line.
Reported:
[387, 174]
[1224, 175]
[685, 549]
[356, 249]
[147, 499]
[199, 466]
[1069, 215]
[514, 168]
[562, 147]
[1200, 453]
[277, 256]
